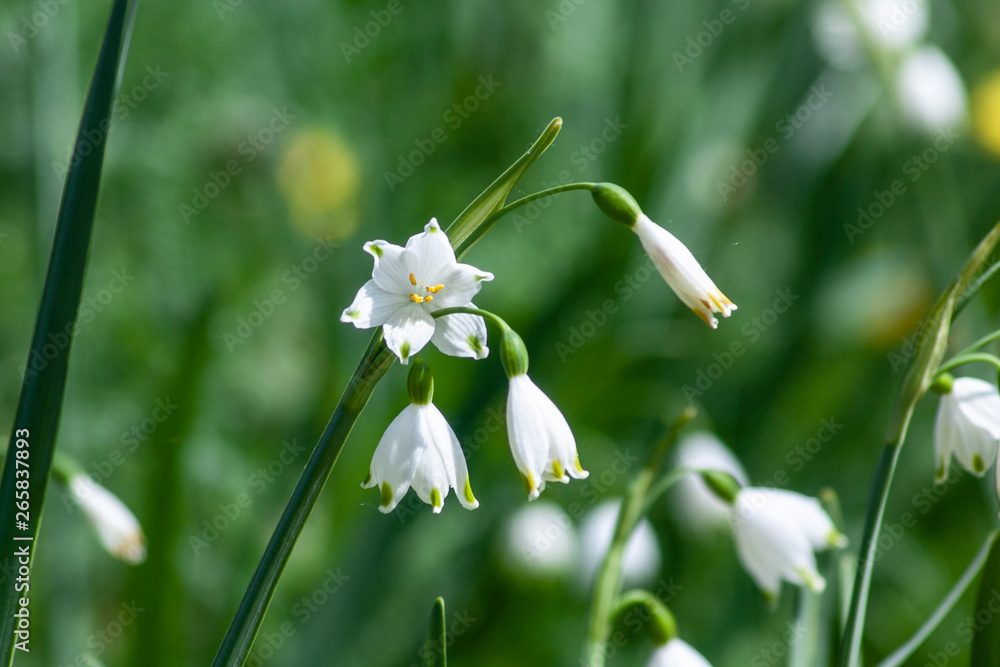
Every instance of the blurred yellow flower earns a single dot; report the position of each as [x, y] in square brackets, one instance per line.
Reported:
[986, 113]
[319, 177]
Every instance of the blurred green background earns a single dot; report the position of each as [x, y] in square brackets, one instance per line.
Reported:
[256, 147]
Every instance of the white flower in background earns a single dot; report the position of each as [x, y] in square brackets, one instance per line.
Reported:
[641, 560]
[677, 653]
[682, 271]
[540, 541]
[420, 450]
[117, 527]
[968, 426]
[776, 533]
[891, 25]
[408, 284]
[698, 507]
[930, 90]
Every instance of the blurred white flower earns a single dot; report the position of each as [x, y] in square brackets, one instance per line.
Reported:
[641, 561]
[419, 449]
[408, 284]
[891, 25]
[930, 90]
[541, 441]
[677, 653]
[697, 506]
[117, 528]
[540, 541]
[776, 533]
[968, 426]
[682, 271]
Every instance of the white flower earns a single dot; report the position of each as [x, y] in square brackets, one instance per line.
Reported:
[968, 426]
[540, 541]
[930, 90]
[698, 507]
[641, 561]
[677, 653]
[408, 284]
[541, 441]
[776, 533]
[891, 25]
[117, 527]
[682, 271]
[419, 449]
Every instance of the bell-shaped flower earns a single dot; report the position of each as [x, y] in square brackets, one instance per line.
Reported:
[677, 653]
[116, 526]
[682, 272]
[541, 441]
[697, 507]
[408, 285]
[420, 450]
[776, 534]
[967, 425]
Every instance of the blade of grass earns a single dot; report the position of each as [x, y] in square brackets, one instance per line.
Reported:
[45, 371]
[435, 646]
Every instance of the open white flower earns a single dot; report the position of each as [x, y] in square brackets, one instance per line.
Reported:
[420, 450]
[776, 533]
[408, 284]
[677, 653]
[116, 526]
[968, 426]
[682, 271]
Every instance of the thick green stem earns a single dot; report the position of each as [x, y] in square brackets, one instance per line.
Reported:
[608, 583]
[245, 624]
[962, 359]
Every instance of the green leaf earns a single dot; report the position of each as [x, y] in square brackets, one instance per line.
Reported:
[468, 228]
[900, 655]
[986, 643]
[44, 380]
[435, 646]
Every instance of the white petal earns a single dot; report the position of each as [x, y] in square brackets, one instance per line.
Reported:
[682, 272]
[397, 456]
[408, 330]
[462, 283]
[527, 433]
[392, 267]
[116, 526]
[562, 444]
[677, 653]
[432, 251]
[373, 306]
[442, 465]
[930, 90]
[811, 518]
[461, 335]
[944, 436]
[979, 402]
[697, 506]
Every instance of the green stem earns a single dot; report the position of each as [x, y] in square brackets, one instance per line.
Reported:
[541, 194]
[245, 624]
[608, 582]
[979, 343]
[662, 625]
[961, 360]
[466, 310]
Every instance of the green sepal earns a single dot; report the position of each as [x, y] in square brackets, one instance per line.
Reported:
[513, 354]
[722, 484]
[420, 383]
[617, 203]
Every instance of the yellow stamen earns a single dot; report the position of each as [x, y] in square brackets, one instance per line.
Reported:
[435, 289]
[428, 298]
[413, 281]
[416, 298]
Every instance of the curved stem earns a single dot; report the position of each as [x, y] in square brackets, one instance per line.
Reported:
[979, 343]
[458, 310]
[608, 581]
[961, 360]
[518, 203]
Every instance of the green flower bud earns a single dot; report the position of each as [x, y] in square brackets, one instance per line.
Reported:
[616, 203]
[513, 354]
[420, 383]
[943, 384]
[722, 484]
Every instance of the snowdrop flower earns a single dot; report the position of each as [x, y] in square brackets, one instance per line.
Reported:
[697, 506]
[671, 257]
[776, 533]
[677, 653]
[967, 425]
[641, 561]
[116, 526]
[930, 90]
[420, 450]
[541, 441]
[540, 541]
[408, 284]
